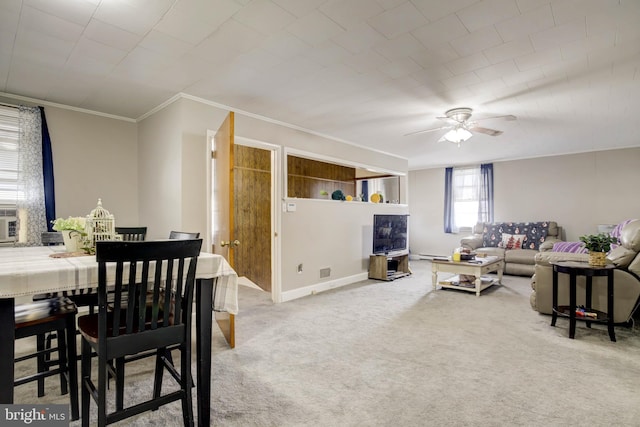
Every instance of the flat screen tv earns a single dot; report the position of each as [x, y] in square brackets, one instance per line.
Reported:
[390, 234]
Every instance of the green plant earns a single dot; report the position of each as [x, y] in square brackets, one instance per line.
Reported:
[598, 242]
[76, 223]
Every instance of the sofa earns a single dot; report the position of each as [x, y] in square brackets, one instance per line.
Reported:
[516, 242]
[626, 278]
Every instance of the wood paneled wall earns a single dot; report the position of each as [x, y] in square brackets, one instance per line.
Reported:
[252, 183]
[307, 178]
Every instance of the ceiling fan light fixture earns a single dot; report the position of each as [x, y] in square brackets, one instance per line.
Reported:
[457, 135]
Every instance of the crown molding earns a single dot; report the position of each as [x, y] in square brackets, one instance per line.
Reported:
[64, 107]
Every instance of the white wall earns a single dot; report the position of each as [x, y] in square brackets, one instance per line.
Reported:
[94, 157]
[319, 234]
[160, 172]
[578, 191]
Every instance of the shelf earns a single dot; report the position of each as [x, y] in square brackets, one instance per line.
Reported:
[383, 267]
[455, 283]
[602, 317]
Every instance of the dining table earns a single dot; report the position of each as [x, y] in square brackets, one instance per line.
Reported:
[27, 271]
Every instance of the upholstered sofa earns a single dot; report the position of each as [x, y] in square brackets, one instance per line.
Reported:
[626, 278]
[516, 242]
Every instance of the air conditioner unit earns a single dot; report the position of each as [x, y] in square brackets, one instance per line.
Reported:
[8, 229]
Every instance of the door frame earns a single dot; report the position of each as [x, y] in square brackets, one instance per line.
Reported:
[276, 198]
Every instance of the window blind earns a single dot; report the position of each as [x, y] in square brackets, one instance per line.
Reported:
[9, 133]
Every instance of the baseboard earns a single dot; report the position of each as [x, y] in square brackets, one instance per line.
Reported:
[323, 286]
[428, 256]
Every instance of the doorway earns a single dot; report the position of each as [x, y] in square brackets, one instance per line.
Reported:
[254, 211]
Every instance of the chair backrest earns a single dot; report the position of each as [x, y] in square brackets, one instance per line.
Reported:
[152, 286]
[181, 235]
[132, 234]
[50, 238]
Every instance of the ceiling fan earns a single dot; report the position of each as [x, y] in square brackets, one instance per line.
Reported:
[460, 127]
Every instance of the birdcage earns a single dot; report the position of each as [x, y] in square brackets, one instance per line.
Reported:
[100, 225]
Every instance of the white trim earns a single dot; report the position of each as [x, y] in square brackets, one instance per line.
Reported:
[154, 110]
[65, 107]
[268, 120]
[323, 286]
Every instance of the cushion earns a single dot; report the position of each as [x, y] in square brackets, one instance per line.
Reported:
[630, 236]
[634, 267]
[621, 256]
[512, 241]
[571, 247]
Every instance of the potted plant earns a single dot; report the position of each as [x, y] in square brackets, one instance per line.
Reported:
[598, 245]
[72, 229]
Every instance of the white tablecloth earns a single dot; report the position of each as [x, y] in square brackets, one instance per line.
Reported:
[31, 270]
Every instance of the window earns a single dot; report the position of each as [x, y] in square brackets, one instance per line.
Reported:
[468, 196]
[9, 131]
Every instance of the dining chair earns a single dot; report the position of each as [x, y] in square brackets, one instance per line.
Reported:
[155, 280]
[52, 238]
[37, 319]
[182, 235]
[132, 234]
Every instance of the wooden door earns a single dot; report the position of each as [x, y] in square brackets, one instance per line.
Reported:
[223, 207]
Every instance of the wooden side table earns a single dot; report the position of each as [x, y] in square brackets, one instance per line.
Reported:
[574, 269]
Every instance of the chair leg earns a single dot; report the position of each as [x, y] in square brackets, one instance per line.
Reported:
[102, 390]
[41, 362]
[157, 380]
[63, 364]
[72, 367]
[185, 376]
[119, 383]
[85, 376]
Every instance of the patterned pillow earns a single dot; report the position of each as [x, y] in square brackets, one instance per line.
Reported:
[512, 241]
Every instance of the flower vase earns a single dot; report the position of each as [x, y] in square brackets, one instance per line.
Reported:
[597, 259]
[72, 240]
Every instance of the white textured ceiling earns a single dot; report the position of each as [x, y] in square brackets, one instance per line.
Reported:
[363, 71]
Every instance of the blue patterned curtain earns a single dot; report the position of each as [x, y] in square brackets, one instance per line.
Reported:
[47, 173]
[485, 201]
[448, 200]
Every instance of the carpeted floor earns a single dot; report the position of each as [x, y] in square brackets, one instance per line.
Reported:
[398, 353]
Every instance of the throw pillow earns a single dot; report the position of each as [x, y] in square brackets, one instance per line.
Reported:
[512, 241]
[571, 247]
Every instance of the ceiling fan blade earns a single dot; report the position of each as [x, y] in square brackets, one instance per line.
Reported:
[491, 132]
[508, 117]
[428, 130]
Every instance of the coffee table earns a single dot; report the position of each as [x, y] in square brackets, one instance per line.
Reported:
[476, 267]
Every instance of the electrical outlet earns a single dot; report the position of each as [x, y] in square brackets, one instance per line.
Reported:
[325, 272]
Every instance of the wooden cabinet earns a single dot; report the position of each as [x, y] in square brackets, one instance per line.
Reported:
[383, 267]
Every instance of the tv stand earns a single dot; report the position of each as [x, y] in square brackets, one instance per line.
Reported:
[385, 267]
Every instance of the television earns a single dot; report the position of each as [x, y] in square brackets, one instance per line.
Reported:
[390, 234]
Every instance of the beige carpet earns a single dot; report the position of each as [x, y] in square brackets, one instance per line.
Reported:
[397, 353]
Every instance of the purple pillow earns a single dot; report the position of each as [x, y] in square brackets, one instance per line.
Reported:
[572, 247]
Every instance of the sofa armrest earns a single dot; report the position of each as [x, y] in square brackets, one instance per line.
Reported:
[546, 258]
[547, 245]
[471, 242]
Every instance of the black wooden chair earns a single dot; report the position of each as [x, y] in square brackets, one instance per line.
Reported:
[144, 272]
[51, 238]
[47, 316]
[132, 234]
[181, 235]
